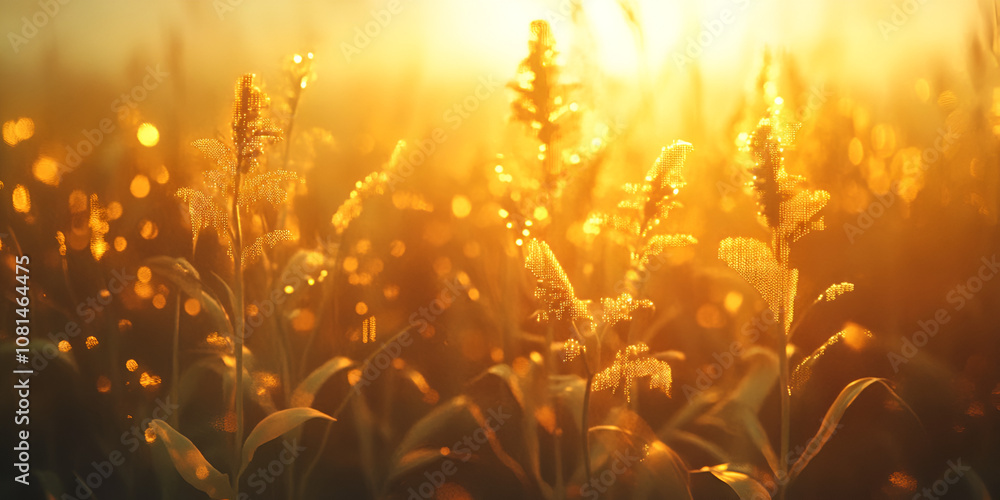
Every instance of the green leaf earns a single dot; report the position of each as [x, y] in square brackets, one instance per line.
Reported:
[229, 296]
[976, 486]
[738, 409]
[190, 463]
[365, 423]
[430, 425]
[528, 391]
[274, 425]
[833, 415]
[758, 436]
[569, 391]
[181, 273]
[660, 472]
[305, 392]
[745, 486]
[679, 436]
[803, 371]
[418, 446]
[417, 460]
[505, 373]
[761, 375]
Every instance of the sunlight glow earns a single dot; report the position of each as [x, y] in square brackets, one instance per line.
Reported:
[148, 135]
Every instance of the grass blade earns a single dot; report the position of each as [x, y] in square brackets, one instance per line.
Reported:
[190, 463]
[305, 392]
[833, 416]
[743, 485]
[275, 425]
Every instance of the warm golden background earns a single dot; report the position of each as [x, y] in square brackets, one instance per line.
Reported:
[873, 88]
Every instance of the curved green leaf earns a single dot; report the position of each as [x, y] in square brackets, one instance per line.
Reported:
[190, 463]
[803, 371]
[414, 462]
[746, 487]
[178, 270]
[659, 470]
[504, 372]
[181, 273]
[275, 425]
[528, 391]
[365, 424]
[976, 486]
[429, 425]
[833, 415]
[738, 410]
[679, 436]
[305, 392]
[228, 295]
[569, 391]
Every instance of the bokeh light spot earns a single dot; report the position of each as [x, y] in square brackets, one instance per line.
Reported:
[148, 135]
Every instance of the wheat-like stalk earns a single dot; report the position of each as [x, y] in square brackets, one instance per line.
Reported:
[790, 211]
[236, 186]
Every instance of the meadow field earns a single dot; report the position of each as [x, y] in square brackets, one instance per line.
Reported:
[536, 249]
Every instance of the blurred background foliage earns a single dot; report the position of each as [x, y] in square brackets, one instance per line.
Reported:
[871, 101]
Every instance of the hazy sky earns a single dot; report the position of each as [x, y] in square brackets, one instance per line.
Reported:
[429, 54]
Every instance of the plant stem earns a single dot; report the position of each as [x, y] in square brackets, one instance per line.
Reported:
[786, 409]
[585, 414]
[585, 425]
[238, 336]
[176, 367]
[329, 288]
[355, 390]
